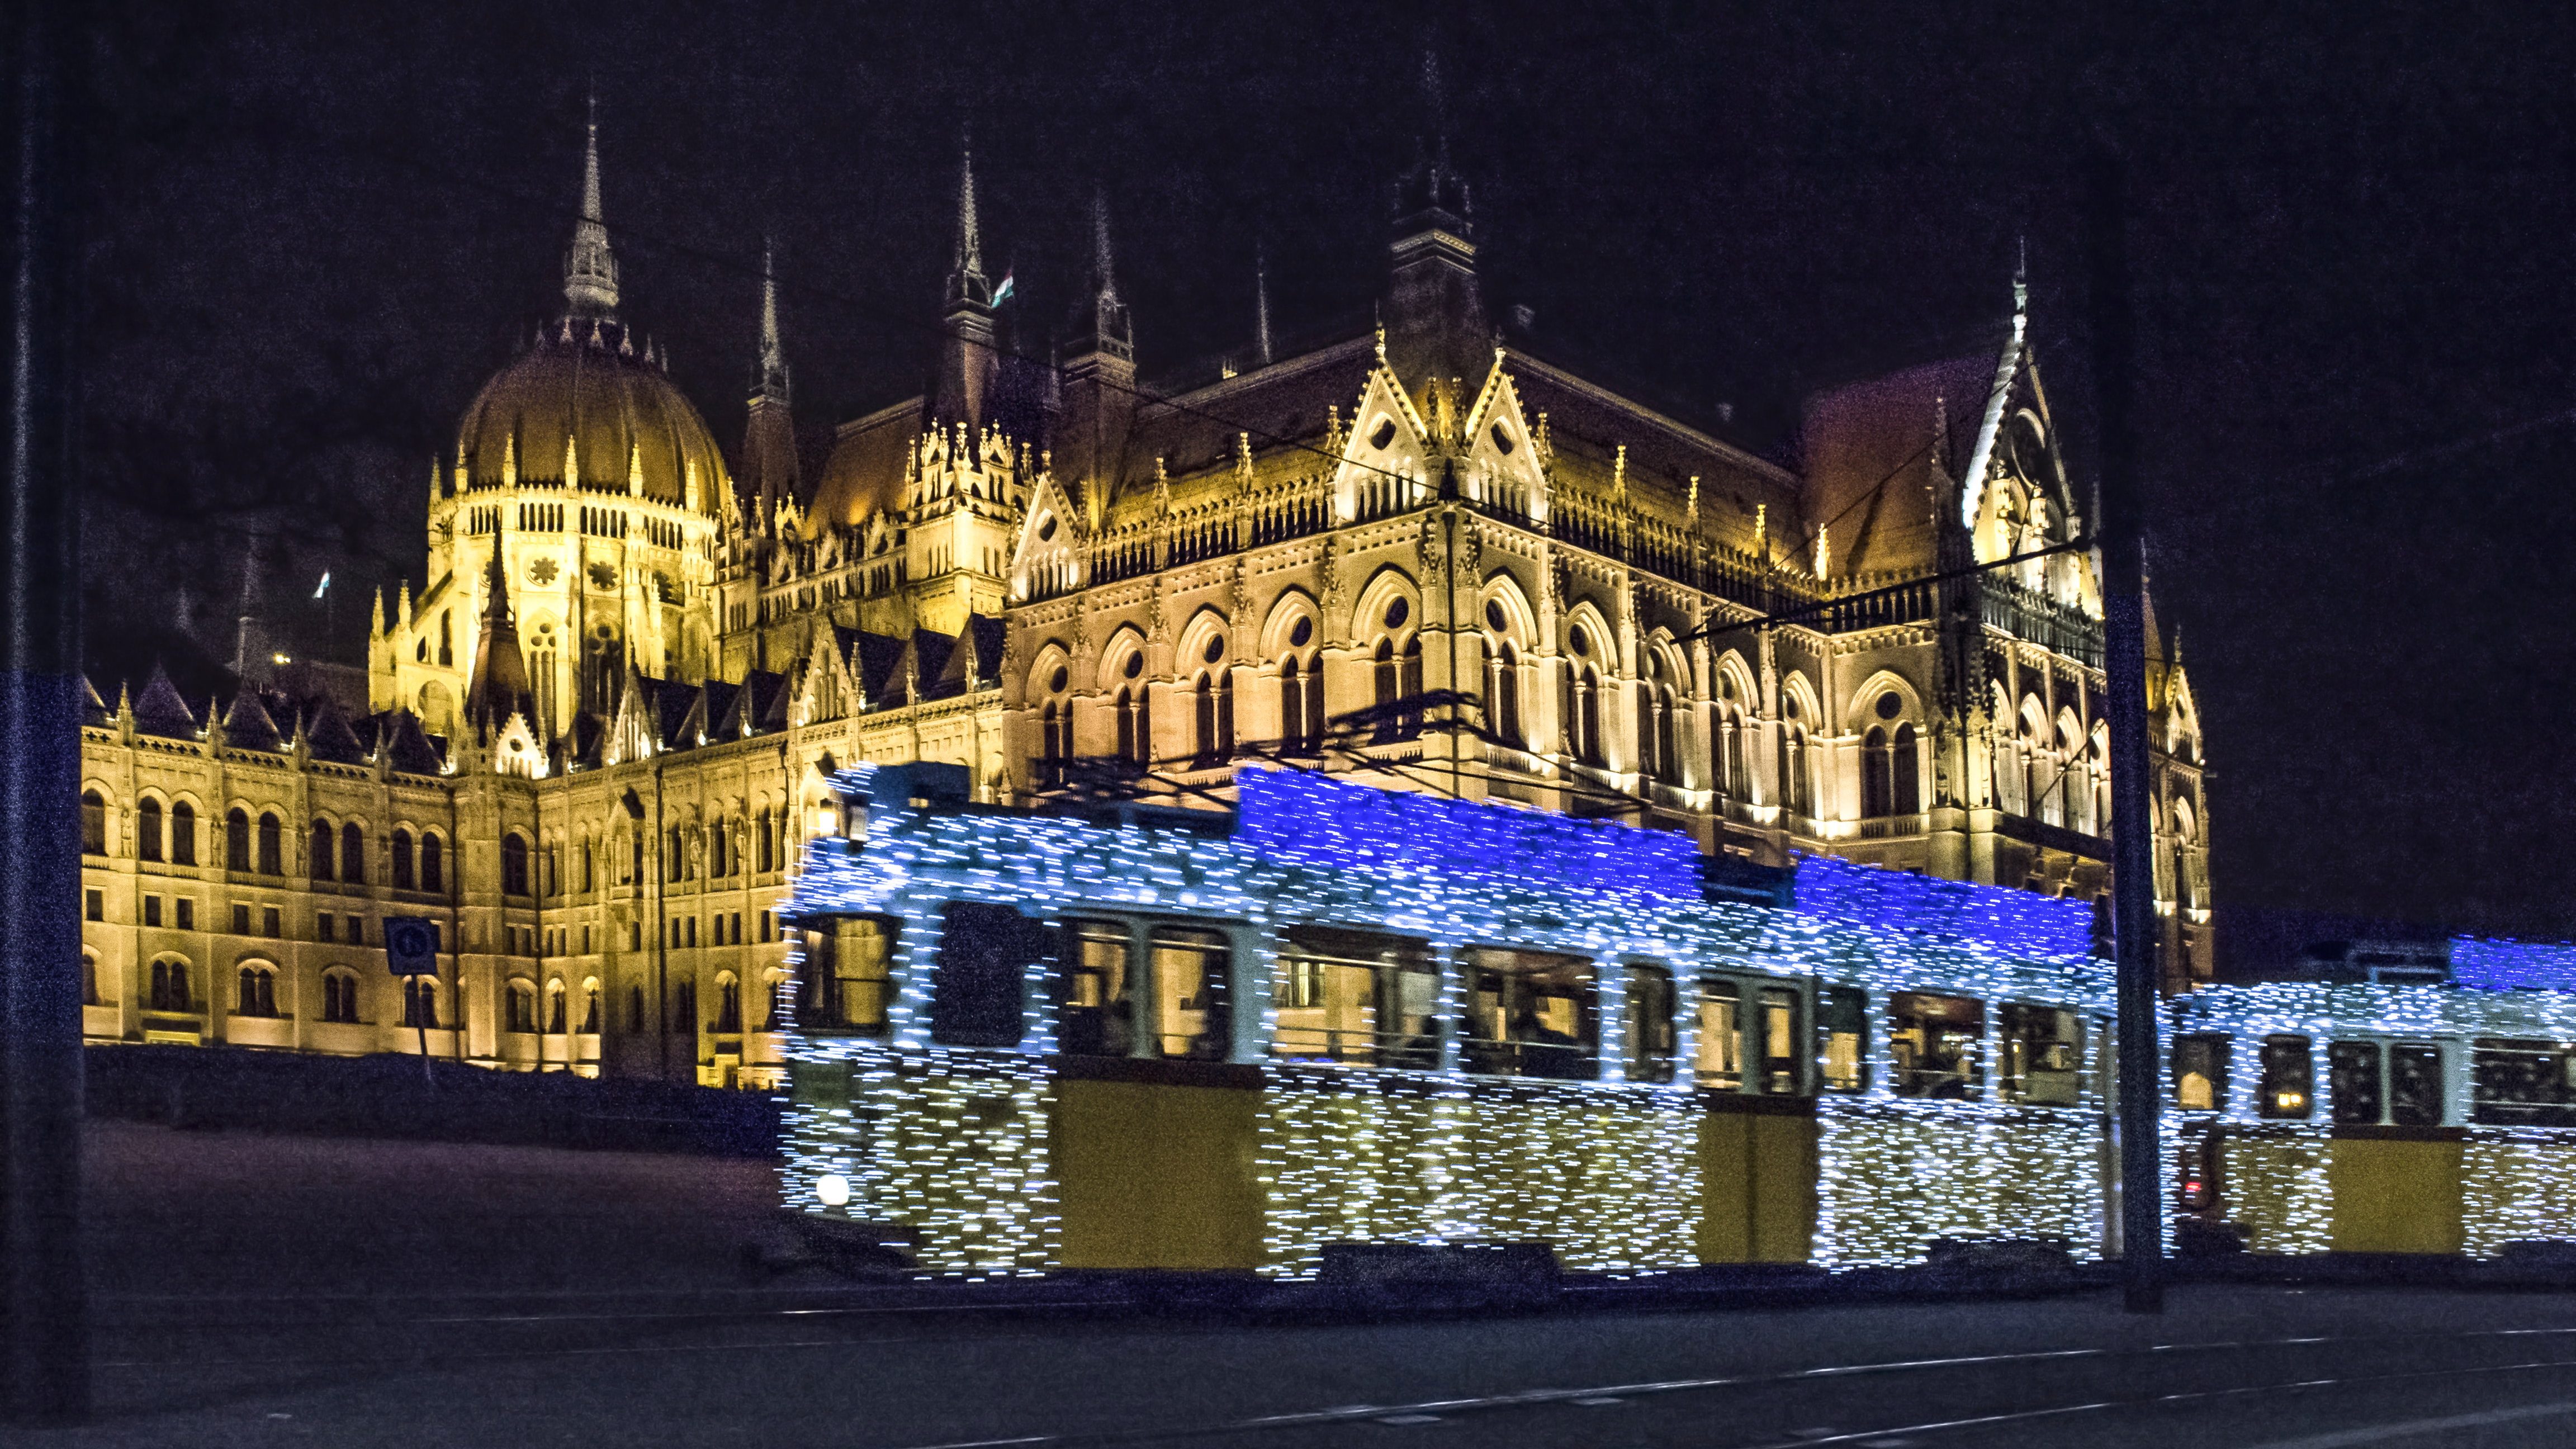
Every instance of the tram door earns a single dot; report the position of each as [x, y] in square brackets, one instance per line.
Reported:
[2394, 1168]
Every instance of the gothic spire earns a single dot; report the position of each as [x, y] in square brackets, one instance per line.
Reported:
[590, 270]
[499, 686]
[1104, 277]
[966, 278]
[1261, 304]
[772, 384]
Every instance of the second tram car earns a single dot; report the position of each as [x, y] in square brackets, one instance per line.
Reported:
[1192, 1040]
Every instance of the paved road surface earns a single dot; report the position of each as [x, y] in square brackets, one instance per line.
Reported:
[271, 1291]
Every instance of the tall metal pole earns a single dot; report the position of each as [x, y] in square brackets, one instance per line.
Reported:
[44, 1337]
[2124, 629]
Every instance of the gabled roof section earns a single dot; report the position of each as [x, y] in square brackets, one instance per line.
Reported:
[159, 710]
[327, 736]
[1882, 459]
[401, 737]
[249, 727]
[1286, 407]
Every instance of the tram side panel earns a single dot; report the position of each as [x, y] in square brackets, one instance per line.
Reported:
[1157, 1174]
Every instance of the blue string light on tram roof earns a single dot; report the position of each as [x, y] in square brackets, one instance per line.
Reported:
[2490, 965]
[2019, 923]
[1309, 820]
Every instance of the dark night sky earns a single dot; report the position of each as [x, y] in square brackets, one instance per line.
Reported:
[312, 242]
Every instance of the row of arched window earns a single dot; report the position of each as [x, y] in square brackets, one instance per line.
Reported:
[259, 846]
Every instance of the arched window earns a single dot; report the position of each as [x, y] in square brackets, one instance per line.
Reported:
[403, 878]
[684, 1008]
[170, 986]
[339, 995]
[1731, 779]
[320, 855]
[1135, 726]
[763, 841]
[93, 823]
[147, 829]
[514, 864]
[728, 1003]
[1668, 755]
[590, 1007]
[519, 1008]
[89, 980]
[1390, 688]
[433, 863]
[258, 991]
[558, 1007]
[272, 844]
[719, 858]
[1507, 696]
[1052, 745]
[1587, 718]
[183, 834]
[1795, 781]
[1907, 762]
[353, 854]
[1877, 780]
[446, 640]
[635, 1007]
[420, 1002]
[1212, 737]
[237, 840]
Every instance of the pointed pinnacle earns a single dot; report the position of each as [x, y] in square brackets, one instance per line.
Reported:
[970, 242]
[1103, 275]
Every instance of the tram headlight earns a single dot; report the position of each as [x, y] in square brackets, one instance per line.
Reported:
[833, 1189]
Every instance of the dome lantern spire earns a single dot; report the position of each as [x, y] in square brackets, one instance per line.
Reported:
[772, 384]
[966, 281]
[590, 270]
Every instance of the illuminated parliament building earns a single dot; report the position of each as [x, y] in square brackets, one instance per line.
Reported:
[1417, 555]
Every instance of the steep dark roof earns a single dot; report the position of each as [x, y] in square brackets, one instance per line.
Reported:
[159, 710]
[413, 754]
[249, 727]
[327, 735]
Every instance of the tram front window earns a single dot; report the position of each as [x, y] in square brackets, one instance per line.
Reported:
[2352, 1074]
[2523, 1084]
[848, 976]
[1842, 1021]
[2415, 1085]
[1192, 1017]
[2289, 1078]
[1529, 1014]
[1357, 996]
[2200, 1071]
[1650, 1024]
[1720, 1061]
[984, 954]
[1938, 1043]
[2043, 1055]
[1095, 1017]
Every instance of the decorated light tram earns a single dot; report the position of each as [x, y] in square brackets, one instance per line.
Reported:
[1154, 1038]
[2379, 1114]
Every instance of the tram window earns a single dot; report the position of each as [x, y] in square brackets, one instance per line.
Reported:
[2200, 1071]
[1842, 1020]
[1094, 1016]
[1357, 996]
[2523, 1084]
[848, 976]
[2352, 1074]
[984, 955]
[2289, 1084]
[2415, 1085]
[2043, 1055]
[1650, 1024]
[1192, 1017]
[1782, 1040]
[1720, 1061]
[1530, 1014]
[1938, 1043]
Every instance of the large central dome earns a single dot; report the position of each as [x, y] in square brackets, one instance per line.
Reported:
[584, 399]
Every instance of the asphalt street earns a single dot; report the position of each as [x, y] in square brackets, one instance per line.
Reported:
[271, 1291]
